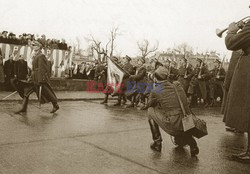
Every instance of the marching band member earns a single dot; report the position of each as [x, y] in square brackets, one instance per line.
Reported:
[237, 106]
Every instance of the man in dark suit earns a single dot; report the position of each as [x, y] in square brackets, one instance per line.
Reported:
[39, 81]
[21, 69]
[9, 72]
[138, 78]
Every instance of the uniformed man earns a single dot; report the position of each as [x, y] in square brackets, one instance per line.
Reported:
[39, 82]
[21, 69]
[128, 67]
[173, 71]
[138, 79]
[237, 106]
[198, 83]
[186, 73]
[9, 72]
[216, 82]
[108, 89]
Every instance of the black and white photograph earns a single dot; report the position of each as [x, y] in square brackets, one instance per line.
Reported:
[124, 87]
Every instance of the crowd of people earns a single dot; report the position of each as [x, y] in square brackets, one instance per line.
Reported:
[26, 39]
[166, 90]
[202, 86]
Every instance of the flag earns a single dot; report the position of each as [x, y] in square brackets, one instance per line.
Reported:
[115, 76]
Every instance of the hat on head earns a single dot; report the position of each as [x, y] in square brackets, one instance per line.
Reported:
[128, 58]
[142, 59]
[36, 43]
[4, 32]
[161, 73]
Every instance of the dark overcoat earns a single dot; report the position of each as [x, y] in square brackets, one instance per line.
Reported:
[237, 107]
[21, 69]
[228, 78]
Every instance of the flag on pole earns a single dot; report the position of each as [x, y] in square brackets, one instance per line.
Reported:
[115, 76]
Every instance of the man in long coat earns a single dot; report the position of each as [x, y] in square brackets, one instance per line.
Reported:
[21, 69]
[216, 82]
[1, 71]
[39, 81]
[186, 73]
[237, 107]
[9, 72]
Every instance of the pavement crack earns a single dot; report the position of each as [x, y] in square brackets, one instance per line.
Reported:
[122, 157]
[70, 137]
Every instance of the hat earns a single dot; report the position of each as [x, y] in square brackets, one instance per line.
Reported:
[4, 32]
[142, 59]
[128, 58]
[36, 43]
[217, 61]
[161, 73]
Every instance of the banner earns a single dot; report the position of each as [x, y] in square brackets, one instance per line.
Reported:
[115, 76]
[61, 59]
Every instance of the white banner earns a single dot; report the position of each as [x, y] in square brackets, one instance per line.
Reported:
[115, 76]
[62, 59]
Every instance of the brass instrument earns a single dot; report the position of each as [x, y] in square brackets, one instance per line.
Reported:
[220, 32]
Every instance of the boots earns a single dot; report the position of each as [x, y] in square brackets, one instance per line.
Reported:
[124, 100]
[24, 106]
[119, 101]
[194, 150]
[156, 135]
[243, 157]
[55, 107]
[105, 99]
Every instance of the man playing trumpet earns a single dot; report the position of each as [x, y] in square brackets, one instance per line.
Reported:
[237, 108]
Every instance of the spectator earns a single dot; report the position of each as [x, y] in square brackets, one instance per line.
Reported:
[1, 71]
[21, 69]
[9, 72]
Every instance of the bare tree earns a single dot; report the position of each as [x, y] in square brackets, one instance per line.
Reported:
[78, 43]
[113, 35]
[108, 50]
[146, 49]
[184, 49]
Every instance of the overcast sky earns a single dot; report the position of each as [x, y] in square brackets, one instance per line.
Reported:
[171, 22]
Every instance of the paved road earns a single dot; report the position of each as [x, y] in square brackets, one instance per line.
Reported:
[86, 137]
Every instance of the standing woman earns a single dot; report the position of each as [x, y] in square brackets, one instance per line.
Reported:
[237, 106]
[39, 80]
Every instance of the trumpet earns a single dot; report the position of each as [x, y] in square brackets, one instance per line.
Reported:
[219, 32]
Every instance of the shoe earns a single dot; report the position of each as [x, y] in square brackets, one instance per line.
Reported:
[55, 108]
[156, 147]
[24, 106]
[105, 100]
[194, 150]
[243, 157]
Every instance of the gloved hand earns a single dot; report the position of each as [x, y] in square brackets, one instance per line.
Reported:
[233, 28]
